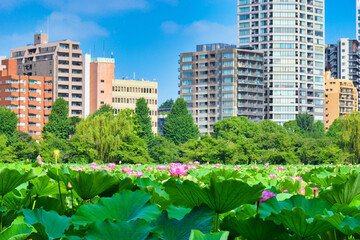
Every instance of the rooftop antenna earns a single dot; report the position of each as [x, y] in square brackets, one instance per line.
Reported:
[134, 76]
[47, 25]
[112, 54]
[103, 48]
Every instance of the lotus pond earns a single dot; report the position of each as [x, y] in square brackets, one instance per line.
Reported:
[179, 202]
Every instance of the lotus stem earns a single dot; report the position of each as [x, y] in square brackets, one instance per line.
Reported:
[58, 180]
[34, 204]
[1, 218]
[217, 222]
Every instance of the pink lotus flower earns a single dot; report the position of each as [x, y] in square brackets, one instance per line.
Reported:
[112, 165]
[126, 169]
[281, 168]
[285, 190]
[178, 169]
[316, 191]
[40, 162]
[266, 195]
[266, 164]
[190, 163]
[138, 164]
[272, 176]
[149, 168]
[299, 178]
[196, 163]
[139, 174]
[302, 191]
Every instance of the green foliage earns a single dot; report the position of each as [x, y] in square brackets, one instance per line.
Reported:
[334, 130]
[104, 109]
[24, 146]
[73, 123]
[58, 123]
[349, 136]
[8, 122]
[143, 120]
[167, 104]
[180, 126]
[15, 232]
[110, 138]
[162, 150]
[6, 152]
[11, 179]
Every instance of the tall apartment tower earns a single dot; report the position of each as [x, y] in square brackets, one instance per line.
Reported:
[102, 74]
[61, 60]
[343, 60]
[291, 35]
[30, 97]
[219, 81]
[341, 98]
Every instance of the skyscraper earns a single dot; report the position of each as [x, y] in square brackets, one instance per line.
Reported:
[343, 60]
[61, 60]
[219, 81]
[291, 35]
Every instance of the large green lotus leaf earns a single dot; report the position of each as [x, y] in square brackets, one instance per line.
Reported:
[90, 184]
[253, 228]
[221, 174]
[15, 232]
[51, 222]
[158, 195]
[49, 203]
[302, 216]
[221, 196]
[124, 206]
[11, 179]
[293, 186]
[200, 218]
[134, 230]
[13, 200]
[326, 178]
[343, 193]
[63, 175]
[177, 212]
[42, 186]
[346, 210]
[197, 235]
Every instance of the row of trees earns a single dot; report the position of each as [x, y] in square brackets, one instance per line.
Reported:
[128, 137]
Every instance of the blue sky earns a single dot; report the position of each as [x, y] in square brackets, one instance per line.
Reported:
[146, 36]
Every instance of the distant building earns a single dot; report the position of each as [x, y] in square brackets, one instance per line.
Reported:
[61, 60]
[162, 118]
[343, 60]
[358, 20]
[30, 97]
[125, 93]
[291, 34]
[341, 98]
[102, 74]
[219, 81]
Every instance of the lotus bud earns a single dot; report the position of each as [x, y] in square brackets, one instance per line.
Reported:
[302, 191]
[316, 192]
[69, 186]
[56, 154]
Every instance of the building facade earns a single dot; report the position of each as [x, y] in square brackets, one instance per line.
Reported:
[61, 60]
[220, 81]
[162, 118]
[102, 74]
[291, 35]
[343, 60]
[341, 98]
[125, 94]
[30, 97]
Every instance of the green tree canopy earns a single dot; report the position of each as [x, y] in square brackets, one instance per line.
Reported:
[334, 130]
[143, 120]
[180, 126]
[8, 122]
[59, 122]
[73, 123]
[24, 146]
[111, 138]
[234, 128]
[167, 104]
[103, 109]
[349, 136]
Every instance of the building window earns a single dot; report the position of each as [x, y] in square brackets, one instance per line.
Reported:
[102, 81]
[101, 102]
[102, 91]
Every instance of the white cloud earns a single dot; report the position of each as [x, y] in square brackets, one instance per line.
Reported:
[70, 26]
[170, 27]
[203, 31]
